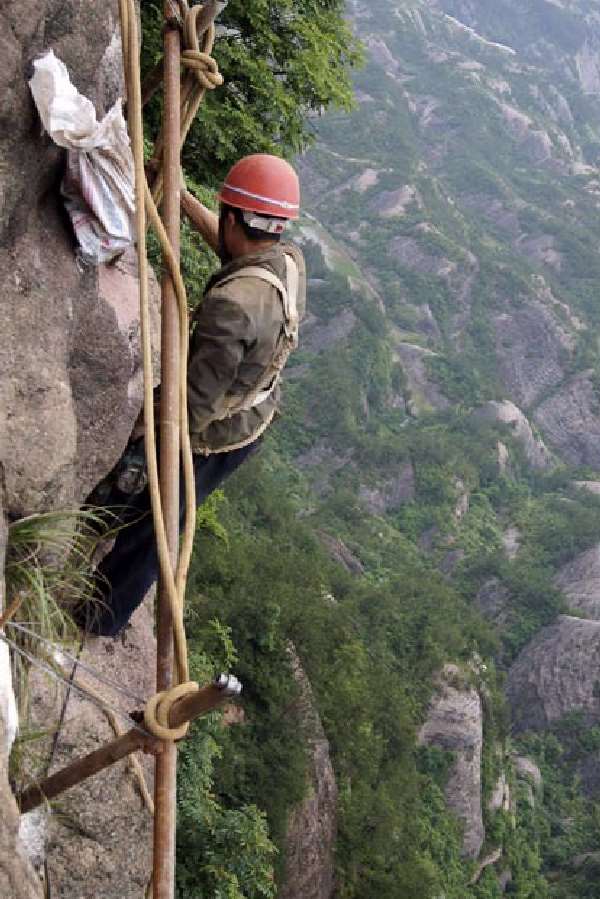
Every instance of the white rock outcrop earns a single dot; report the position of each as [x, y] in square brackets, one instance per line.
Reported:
[507, 413]
[455, 723]
[312, 824]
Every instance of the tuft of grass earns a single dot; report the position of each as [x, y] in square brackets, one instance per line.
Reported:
[28, 754]
[49, 566]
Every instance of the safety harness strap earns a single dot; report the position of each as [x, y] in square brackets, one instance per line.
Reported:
[288, 342]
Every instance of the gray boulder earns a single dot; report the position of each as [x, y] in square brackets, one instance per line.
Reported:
[571, 423]
[391, 493]
[556, 674]
[493, 600]
[531, 348]
[527, 769]
[580, 582]
[340, 553]
[425, 395]
[317, 336]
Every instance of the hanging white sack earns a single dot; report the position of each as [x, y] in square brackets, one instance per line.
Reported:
[98, 187]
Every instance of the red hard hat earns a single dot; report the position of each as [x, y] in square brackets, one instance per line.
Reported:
[264, 184]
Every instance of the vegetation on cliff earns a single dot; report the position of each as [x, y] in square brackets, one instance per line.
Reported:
[450, 242]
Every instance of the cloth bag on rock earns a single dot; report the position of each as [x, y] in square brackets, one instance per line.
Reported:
[98, 186]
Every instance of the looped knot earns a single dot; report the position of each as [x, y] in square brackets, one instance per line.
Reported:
[204, 67]
[158, 708]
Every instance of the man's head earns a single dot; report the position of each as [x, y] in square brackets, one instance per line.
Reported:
[260, 195]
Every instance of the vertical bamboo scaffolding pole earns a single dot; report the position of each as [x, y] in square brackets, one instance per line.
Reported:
[166, 763]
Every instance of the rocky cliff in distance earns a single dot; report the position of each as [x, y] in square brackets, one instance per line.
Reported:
[495, 263]
[455, 724]
[311, 831]
[460, 200]
[556, 674]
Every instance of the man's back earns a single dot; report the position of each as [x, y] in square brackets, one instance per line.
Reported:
[237, 331]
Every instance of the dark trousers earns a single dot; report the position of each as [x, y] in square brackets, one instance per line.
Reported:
[128, 571]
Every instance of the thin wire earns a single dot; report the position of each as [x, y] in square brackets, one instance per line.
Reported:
[103, 705]
[107, 681]
[63, 712]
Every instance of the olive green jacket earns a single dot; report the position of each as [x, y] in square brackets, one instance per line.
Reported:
[235, 334]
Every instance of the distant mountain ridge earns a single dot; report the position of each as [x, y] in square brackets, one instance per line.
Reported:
[453, 337]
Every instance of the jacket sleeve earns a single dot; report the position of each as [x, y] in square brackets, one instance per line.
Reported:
[222, 335]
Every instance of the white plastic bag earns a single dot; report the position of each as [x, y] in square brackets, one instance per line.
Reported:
[98, 187]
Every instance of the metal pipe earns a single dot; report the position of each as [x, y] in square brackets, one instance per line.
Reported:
[187, 709]
[205, 700]
[165, 782]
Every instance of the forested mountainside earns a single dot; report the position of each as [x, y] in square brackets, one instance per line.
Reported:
[407, 577]
[421, 531]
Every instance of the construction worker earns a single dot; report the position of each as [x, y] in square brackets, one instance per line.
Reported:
[242, 335]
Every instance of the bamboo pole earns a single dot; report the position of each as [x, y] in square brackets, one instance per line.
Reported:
[165, 781]
[186, 709]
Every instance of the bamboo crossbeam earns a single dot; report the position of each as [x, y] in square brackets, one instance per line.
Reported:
[83, 768]
[187, 709]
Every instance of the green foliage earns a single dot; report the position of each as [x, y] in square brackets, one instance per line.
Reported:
[370, 644]
[48, 570]
[280, 61]
[222, 853]
[207, 516]
[568, 818]
[352, 637]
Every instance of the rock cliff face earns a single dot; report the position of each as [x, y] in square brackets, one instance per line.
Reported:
[71, 384]
[455, 723]
[570, 420]
[580, 582]
[70, 348]
[101, 842]
[424, 394]
[392, 493]
[311, 828]
[507, 413]
[340, 553]
[556, 674]
[531, 347]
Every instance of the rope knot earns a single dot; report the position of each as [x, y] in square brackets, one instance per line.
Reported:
[204, 67]
[158, 709]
